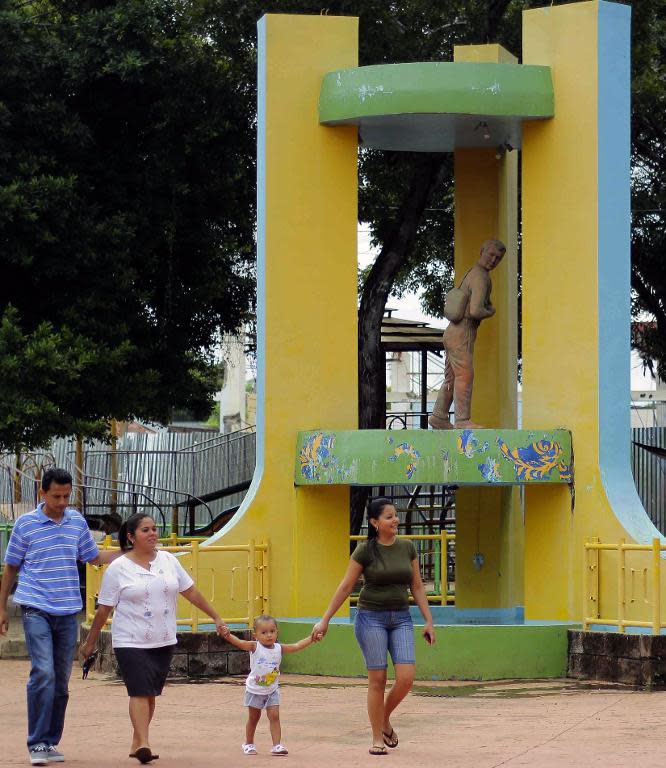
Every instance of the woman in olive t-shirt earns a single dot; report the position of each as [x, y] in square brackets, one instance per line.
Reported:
[383, 623]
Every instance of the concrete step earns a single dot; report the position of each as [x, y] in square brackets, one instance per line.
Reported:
[13, 648]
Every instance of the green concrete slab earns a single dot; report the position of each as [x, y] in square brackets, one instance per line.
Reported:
[456, 457]
[437, 106]
[472, 652]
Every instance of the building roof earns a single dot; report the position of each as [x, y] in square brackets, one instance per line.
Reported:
[410, 335]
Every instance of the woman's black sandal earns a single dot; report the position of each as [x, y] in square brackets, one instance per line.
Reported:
[390, 739]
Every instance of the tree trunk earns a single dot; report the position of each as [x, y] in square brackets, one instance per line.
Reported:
[496, 11]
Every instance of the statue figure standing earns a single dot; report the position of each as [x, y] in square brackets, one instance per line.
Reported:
[459, 338]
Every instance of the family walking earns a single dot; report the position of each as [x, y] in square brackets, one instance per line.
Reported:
[141, 587]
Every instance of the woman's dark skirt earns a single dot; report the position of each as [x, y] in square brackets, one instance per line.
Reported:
[144, 670]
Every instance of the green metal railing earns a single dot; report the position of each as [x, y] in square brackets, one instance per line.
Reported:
[5, 533]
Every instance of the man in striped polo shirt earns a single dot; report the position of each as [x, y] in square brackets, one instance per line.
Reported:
[43, 551]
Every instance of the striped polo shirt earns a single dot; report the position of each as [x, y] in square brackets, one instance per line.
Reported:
[45, 552]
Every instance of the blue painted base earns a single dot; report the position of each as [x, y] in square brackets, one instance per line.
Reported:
[443, 616]
[446, 615]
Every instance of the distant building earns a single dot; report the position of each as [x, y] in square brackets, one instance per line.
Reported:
[232, 394]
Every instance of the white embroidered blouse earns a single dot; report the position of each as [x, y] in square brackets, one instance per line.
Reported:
[144, 601]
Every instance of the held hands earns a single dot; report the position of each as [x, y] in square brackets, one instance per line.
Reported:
[429, 634]
[222, 629]
[318, 631]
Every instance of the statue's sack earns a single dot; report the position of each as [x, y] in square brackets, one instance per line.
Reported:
[455, 301]
[455, 304]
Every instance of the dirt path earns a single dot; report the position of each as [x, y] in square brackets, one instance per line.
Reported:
[480, 725]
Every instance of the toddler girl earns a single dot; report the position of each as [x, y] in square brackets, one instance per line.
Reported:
[262, 684]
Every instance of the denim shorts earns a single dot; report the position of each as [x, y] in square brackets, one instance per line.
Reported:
[262, 700]
[382, 632]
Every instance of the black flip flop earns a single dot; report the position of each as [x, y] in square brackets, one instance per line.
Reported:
[144, 755]
[390, 739]
[377, 751]
[133, 754]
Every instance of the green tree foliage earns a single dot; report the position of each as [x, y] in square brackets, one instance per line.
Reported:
[38, 372]
[126, 212]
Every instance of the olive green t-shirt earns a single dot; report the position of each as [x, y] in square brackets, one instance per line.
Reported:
[386, 576]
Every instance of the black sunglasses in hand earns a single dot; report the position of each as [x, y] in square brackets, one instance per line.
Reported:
[87, 664]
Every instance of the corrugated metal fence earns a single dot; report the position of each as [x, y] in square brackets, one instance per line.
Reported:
[157, 470]
[650, 472]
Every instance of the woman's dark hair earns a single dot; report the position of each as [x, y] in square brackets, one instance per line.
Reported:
[375, 508]
[129, 527]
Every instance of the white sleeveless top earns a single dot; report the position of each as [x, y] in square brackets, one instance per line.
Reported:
[264, 674]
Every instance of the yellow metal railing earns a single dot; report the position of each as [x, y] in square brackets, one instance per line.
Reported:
[441, 594]
[643, 600]
[256, 581]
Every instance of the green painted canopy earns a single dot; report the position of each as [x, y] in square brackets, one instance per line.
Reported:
[455, 457]
[437, 106]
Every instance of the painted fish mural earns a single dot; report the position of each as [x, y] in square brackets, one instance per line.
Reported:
[315, 452]
[468, 444]
[565, 472]
[533, 462]
[460, 457]
[405, 449]
[318, 460]
[490, 470]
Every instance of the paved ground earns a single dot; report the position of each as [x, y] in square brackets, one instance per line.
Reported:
[540, 723]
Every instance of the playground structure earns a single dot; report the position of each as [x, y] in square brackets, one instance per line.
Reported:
[566, 107]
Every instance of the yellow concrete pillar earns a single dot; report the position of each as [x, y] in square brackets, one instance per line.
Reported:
[488, 520]
[576, 292]
[307, 337]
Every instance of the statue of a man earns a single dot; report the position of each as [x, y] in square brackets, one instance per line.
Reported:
[459, 341]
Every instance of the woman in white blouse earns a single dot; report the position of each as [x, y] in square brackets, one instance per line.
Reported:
[142, 588]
